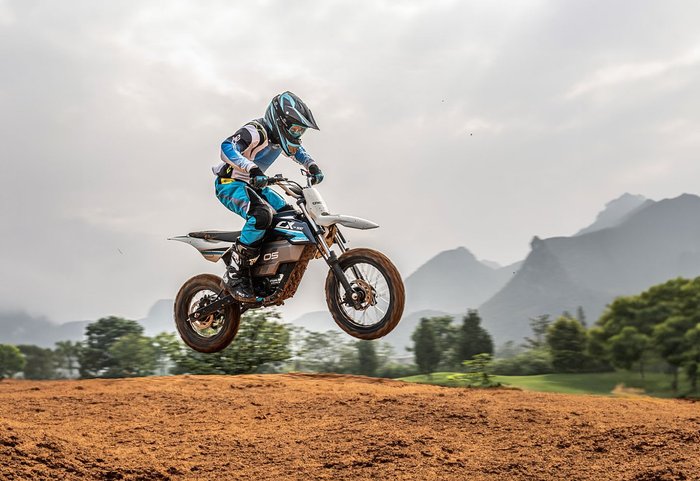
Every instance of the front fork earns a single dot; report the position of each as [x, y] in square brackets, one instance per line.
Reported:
[352, 297]
[331, 259]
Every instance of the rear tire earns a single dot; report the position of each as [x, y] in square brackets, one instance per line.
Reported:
[218, 330]
[385, 293]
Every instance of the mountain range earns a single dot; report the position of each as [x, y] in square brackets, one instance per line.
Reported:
[633, 243]
[653, 242]
[22, 328]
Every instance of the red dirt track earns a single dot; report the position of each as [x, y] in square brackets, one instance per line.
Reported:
[303, 427]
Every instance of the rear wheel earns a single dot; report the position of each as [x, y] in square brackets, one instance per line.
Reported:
[216, 331]
[378, 291]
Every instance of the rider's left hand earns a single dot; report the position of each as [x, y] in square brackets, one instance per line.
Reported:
[257, 178]
[316, 174]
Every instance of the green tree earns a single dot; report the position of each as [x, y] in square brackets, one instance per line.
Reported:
[66, 354]
[528, 363]
[672, 343]
[445, 334]
[425, 348]
[629, 347]
[566, 339]
[581, 316]
[261, 341]
[507, 350]
[96, 360]
[327, 352]
[665, 314]
[367, 359]
[133, 355]
[40, 362]
[598, 346]
[11, 360]
[693, 356]
[539, 326]
[472, 339]
[476, 372]
[165, 344]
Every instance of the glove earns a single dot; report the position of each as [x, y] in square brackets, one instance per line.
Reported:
[316, 174]
[257, 178]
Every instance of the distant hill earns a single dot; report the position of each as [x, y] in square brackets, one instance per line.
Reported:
[653, 243]
[453, 281]
[542, 285]
[159, 318]
[22, 328]
[317, 321]
[616, 211]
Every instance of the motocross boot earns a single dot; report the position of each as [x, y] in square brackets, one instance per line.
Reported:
[241, 285]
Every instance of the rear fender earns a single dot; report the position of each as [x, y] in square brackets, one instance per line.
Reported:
[212, 250]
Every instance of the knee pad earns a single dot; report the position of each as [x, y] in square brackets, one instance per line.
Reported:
[262, 214]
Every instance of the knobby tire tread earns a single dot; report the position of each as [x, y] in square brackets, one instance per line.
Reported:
[189, 336]
[395, 285]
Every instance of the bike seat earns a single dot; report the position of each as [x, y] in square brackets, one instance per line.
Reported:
[225, 236]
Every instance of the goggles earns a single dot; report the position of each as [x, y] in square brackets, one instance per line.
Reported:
[296, 131]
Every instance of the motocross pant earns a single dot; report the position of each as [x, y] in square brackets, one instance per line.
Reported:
[256, 206]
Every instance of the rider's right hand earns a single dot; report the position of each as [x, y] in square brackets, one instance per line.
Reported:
[257, 178]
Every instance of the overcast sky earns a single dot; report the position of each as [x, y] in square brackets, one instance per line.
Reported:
[450, 123]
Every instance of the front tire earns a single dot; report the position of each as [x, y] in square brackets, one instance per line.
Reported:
[213, 333]
[378, 281]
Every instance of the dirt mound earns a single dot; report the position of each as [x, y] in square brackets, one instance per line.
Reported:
[301, 427]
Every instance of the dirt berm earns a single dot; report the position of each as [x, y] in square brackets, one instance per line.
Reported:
[305, 427]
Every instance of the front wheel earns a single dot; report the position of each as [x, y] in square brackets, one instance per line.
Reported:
[378, 291]
[211, 334]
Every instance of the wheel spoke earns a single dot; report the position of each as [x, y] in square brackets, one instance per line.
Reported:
[366, 277]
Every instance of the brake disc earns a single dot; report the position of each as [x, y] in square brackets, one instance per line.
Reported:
[201, 324]
[368, 292]
[204, 324]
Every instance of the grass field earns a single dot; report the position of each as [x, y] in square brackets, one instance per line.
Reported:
[654, 384]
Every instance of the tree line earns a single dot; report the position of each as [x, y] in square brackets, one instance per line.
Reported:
[114, 347]
[658, 329]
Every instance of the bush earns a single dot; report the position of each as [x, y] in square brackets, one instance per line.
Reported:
[476, 372]
[534, 361]
[395, 370]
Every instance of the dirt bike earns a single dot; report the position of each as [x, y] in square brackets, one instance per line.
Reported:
[364, 290]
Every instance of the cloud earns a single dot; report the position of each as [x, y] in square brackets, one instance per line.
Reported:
[621, 74]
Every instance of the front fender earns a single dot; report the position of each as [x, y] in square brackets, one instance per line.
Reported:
[326, 220]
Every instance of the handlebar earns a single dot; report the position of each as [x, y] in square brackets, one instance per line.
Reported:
[291, 187]
[277, 178]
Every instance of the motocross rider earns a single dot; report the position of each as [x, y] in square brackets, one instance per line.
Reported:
[241, 184]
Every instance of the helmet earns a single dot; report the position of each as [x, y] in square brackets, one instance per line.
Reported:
[288, 117]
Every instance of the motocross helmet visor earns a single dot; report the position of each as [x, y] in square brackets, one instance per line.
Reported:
[297, 131]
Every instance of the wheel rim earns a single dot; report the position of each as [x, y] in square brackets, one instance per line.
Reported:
[210, 326]
[375, 296]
